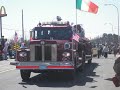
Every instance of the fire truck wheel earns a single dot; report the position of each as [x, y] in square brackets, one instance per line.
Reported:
[81, 68]
[25, 74]
[90, 61]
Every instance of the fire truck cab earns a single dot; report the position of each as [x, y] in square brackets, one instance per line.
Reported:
[54, 46]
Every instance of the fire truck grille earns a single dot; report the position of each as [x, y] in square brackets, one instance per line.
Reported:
[38, 52]
[47, 52]
[44, 53]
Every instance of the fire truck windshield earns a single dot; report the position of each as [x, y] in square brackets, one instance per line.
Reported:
[55, 33]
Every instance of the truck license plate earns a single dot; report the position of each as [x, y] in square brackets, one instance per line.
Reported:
[43, 67]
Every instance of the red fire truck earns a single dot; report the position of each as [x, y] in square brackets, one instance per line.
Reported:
[54, 46]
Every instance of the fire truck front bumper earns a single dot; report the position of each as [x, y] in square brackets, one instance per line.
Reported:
[45, 65]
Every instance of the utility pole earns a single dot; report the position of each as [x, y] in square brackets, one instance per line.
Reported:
[0, 27]
[22, 26]
[2, 14]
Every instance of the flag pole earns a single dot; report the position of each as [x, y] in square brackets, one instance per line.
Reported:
[76, 18]
[74, 30]
[15, 46]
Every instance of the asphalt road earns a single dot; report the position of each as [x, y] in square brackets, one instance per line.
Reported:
[96, 76]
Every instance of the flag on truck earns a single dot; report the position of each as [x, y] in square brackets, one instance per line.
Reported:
[76, 37]
[86, 5]
[16, 37]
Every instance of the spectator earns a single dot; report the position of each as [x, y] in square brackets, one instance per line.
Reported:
[99, 51]
[105, 50]
[115, 51]
[10, 51]
[23, 45]
[5, 50]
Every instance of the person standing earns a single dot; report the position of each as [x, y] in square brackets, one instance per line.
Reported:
[105, 50]
[5, 49]
[99, 51]
[9, 51]
[115, 50]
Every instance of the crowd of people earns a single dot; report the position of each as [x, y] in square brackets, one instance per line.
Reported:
[104, 50]
[6, 50]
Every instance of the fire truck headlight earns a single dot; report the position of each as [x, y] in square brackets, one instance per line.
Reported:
[66, 54]
[22, 54]
[67, 45]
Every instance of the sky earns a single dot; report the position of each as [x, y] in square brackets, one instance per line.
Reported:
[36, 11]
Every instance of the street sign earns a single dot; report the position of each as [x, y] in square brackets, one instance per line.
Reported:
[2, 11]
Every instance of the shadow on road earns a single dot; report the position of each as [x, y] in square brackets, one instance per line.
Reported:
[63, 80]
[109, 79]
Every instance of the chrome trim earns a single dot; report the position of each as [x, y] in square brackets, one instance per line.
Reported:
[43, 53]
[45, 63]
[53, 52]
[32, 51]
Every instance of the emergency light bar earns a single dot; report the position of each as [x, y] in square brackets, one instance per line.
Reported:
[55, 23]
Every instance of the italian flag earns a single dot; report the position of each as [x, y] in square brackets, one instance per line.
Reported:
[86, 5]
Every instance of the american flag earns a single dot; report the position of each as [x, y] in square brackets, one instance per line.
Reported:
[76, 37]
[15, 37]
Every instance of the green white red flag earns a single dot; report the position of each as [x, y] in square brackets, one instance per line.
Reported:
[86, 5]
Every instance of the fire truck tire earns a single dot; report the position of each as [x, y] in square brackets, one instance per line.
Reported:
[25, 74]
[90, 61]
[81, 68]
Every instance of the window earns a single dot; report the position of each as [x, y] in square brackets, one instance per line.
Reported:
[56, 33]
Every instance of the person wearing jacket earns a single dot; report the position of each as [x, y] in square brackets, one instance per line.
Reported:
[105, 51]
[5, 49]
